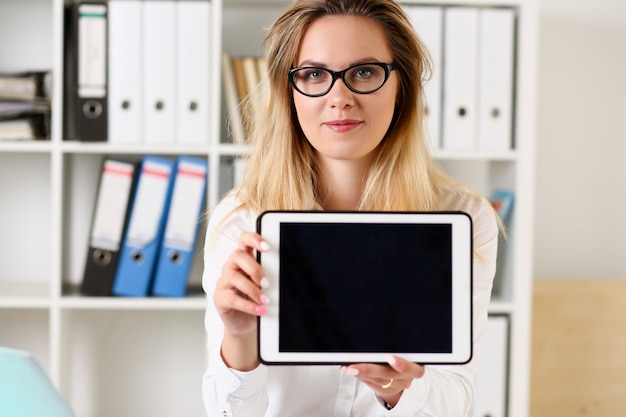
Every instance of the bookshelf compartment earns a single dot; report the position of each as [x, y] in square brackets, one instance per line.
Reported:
[27, 329]
[483, 175]
[244, 26]
[26, 34]
[81, 179]
[131, 362]
[25, 218]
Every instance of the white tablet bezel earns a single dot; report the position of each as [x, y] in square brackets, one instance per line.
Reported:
[268, 225]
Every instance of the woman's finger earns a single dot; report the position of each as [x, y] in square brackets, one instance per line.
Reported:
[240, 286]
[404, 367]
[250, 240]
[243, 262]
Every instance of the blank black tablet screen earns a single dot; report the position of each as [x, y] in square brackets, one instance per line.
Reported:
[363, 287]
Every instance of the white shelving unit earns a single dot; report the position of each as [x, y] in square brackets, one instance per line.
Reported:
[126, 357]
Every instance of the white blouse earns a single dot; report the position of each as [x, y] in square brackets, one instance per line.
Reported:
[322, 391]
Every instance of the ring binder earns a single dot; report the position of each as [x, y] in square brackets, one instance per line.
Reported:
[86, 71]
[117, 180]
[146, 222]
[181, 232]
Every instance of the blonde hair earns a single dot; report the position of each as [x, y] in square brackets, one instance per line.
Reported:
[281, 171]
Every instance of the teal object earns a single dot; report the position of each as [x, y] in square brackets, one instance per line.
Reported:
[25, 388]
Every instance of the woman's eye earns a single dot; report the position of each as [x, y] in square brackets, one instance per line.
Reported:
[312, 74]
[364, 72]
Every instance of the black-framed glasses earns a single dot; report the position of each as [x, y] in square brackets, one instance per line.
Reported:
[361, 78]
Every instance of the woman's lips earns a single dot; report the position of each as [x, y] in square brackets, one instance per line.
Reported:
[342, 125]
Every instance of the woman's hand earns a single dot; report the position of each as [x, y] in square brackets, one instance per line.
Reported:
[388, 382]
[238, 293]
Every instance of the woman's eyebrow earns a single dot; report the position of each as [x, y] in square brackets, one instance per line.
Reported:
[311, 63]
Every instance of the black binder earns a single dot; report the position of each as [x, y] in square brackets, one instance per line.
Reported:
[110, 218]
[86, 68]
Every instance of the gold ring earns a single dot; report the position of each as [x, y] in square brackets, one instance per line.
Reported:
[388, 384]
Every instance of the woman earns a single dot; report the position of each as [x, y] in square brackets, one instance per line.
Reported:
[341, 131]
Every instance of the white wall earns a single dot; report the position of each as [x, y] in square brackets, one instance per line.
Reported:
[580, 217]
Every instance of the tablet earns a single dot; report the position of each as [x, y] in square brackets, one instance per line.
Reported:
[354, 287]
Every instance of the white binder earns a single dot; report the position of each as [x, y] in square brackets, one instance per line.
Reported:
[428, 22]
[193, 54]
[495, 98]
[159, 71]
[490, 385]
[125, 72]
[460, 76]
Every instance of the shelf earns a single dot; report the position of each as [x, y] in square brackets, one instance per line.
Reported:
[24, 146]
[37, 296]
[232, 149]
[72, 300]
[445, 155]
[98, 148]
[439, 154]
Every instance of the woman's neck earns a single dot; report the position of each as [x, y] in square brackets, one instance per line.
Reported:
[341, 183]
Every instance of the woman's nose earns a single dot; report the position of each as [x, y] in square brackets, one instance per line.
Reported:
[340, 95]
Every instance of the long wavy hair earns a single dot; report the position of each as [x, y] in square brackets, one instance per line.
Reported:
[281, 170]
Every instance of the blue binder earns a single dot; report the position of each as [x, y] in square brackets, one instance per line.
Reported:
[149, 209]
[181, 232]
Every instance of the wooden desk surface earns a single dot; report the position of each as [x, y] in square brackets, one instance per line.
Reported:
[578, 348]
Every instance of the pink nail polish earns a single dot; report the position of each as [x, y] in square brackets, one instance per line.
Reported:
[260, 310]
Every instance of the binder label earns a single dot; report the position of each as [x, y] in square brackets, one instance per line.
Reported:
[108, 224]
[92, 37]
[187, 197]
[151, 193]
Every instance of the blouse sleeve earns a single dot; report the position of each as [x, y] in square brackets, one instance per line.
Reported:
[448, 390]
[226, 392]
